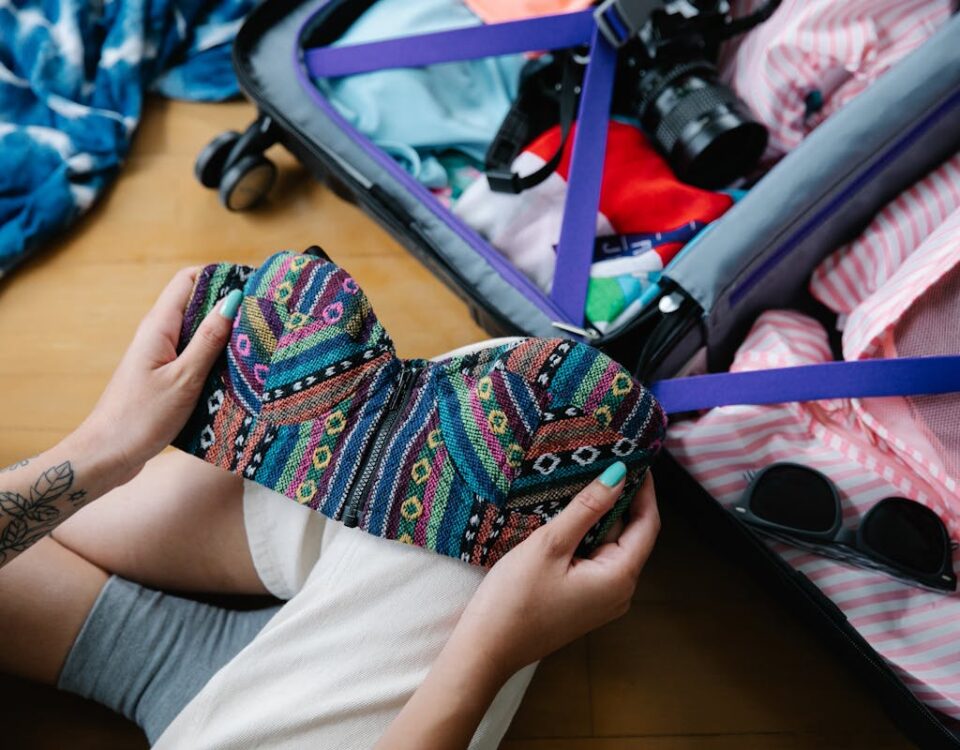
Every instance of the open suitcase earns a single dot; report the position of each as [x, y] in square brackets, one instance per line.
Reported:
[757, 256]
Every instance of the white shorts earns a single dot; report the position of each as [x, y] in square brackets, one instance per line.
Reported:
[364, 620]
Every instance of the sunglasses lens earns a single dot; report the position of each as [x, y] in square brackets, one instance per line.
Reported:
[907, 533]
[796, 498]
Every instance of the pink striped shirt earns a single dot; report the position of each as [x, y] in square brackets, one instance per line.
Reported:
[836, 48]
[917, 631]
[897, 288]
[857, 270]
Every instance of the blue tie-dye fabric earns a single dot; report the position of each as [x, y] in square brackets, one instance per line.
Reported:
[73, 74]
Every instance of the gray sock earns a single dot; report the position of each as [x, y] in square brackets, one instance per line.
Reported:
[146, 654]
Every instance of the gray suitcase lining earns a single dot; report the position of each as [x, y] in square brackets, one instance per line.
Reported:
[824, 192]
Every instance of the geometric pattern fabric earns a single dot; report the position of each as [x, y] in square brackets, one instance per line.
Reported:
[466, 456]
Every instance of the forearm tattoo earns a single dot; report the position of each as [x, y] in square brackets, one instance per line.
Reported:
[25, 518]
[17, 465]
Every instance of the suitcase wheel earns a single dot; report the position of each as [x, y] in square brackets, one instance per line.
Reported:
[234, 164]
[247, 181]
[208, 168]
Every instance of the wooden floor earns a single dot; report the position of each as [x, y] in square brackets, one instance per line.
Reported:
[704, 660]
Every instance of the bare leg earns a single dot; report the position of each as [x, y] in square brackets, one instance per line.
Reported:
[178, 525]
[45, 595]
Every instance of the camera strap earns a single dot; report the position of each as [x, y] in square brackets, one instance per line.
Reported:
[519, 130]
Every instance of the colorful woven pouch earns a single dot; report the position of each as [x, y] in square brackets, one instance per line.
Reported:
[466, 456]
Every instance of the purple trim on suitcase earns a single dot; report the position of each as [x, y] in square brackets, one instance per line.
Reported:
[907, 140]
[578, 231]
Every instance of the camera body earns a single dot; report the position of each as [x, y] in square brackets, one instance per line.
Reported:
[666, 80]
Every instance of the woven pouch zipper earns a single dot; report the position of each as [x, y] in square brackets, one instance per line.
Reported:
[373, 456]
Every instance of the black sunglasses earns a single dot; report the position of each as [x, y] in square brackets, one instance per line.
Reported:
[897, 536]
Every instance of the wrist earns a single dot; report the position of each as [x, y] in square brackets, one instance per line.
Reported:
[446, 709]
[482, 668]
[91, 447]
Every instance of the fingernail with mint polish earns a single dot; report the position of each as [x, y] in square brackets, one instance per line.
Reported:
[613, 474]
[231, 304]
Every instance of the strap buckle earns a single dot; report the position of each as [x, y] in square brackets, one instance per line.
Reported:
[621, 20]
[504, 181]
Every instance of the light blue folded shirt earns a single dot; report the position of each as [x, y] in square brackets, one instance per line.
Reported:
[416, 114]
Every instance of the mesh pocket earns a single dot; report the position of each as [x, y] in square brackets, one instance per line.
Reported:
[932, 327]
[924, 431]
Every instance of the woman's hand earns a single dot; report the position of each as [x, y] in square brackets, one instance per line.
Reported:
[145, 405]
[536, 599]
[540, 597]
[153, 391]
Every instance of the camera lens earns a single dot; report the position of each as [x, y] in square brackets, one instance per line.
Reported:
[706, 133]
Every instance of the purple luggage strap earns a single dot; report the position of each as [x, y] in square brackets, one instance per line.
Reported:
[906, 376]
[863, 379]
[578, 228]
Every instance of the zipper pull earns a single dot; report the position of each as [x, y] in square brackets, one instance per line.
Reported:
[403, 382]
[590, 334]
[357, 497]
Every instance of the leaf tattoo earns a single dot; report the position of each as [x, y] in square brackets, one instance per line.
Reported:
[41, 513]
[13, 533]
[12, 502]
[24, 520]
[52, 483]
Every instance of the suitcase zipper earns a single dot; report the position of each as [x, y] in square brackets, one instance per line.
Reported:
[370, 461]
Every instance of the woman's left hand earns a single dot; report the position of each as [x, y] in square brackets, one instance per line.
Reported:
[153, 391]
[146, 403]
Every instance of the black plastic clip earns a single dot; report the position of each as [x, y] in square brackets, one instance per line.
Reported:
[621, 20]
[504, 181]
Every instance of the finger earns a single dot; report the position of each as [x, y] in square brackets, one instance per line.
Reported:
[209, 339]
[643, 524]
[571, 525]
[166, 315]
[175, 295]
[613, 533]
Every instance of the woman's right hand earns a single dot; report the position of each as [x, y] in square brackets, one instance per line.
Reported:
[534, 600]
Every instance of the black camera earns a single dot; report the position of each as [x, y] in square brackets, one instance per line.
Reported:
[668, 81]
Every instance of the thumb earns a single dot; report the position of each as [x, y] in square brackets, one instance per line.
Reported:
[588, 507]
[210, 338]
